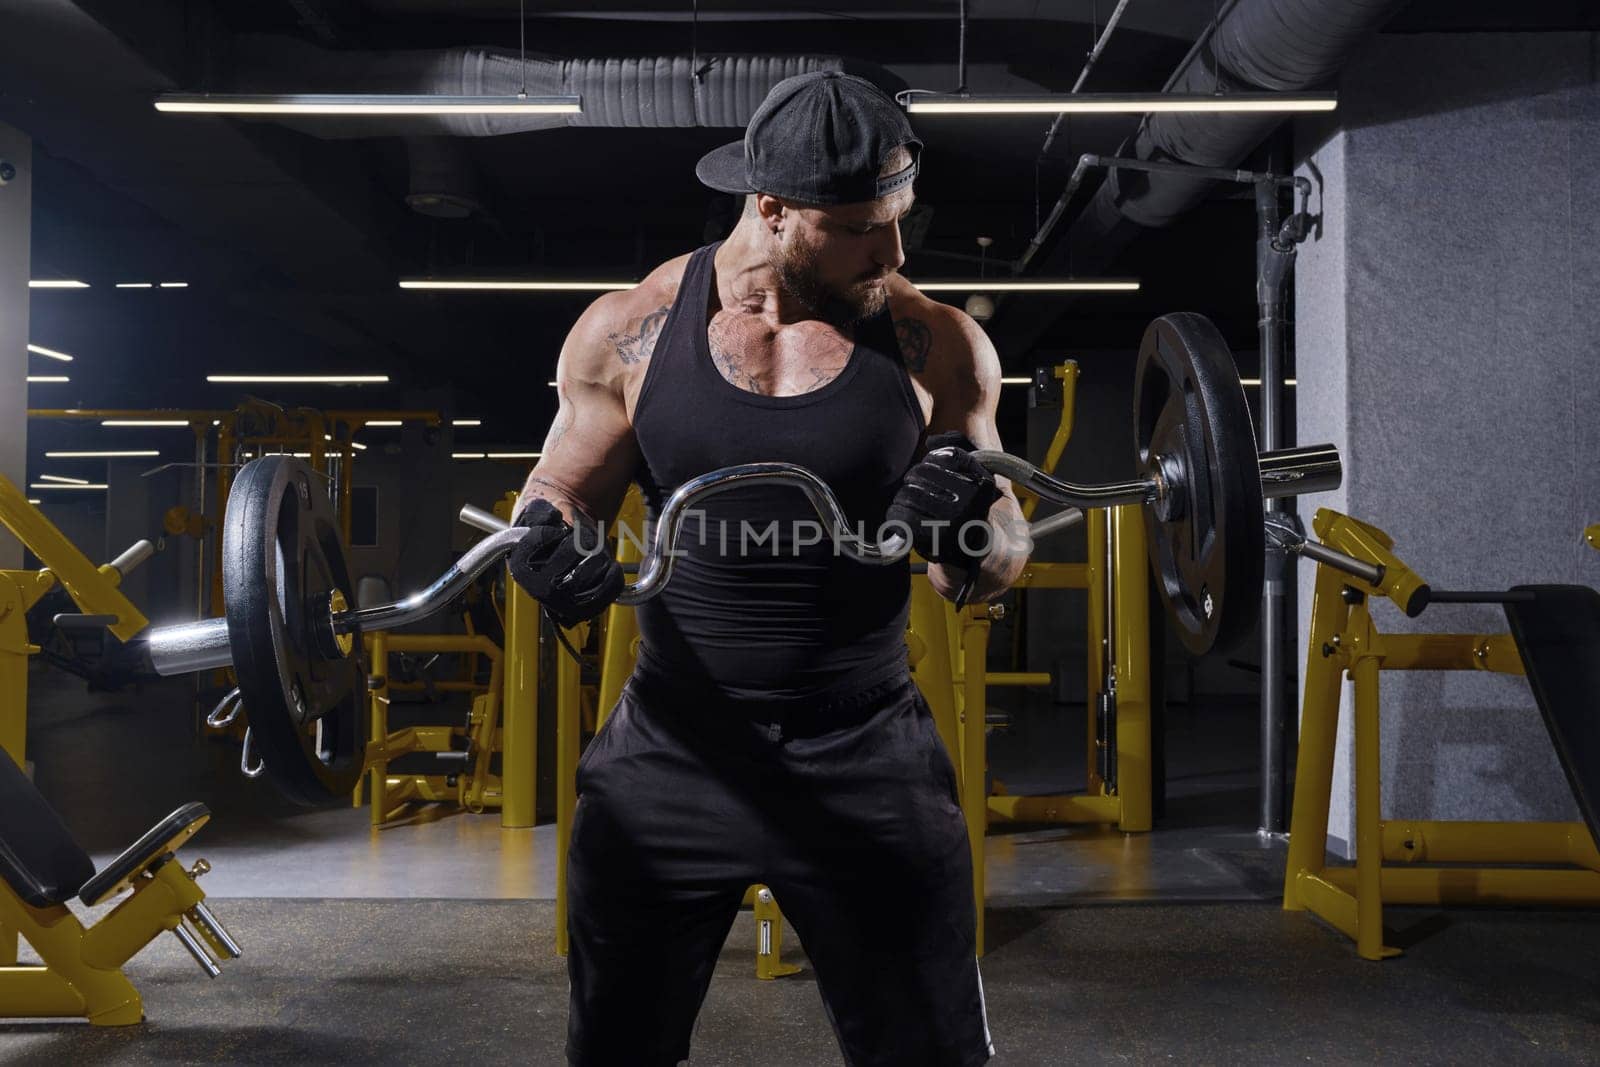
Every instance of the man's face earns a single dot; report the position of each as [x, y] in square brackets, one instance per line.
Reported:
[838, 259]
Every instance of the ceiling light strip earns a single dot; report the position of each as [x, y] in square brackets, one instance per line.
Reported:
[1044, 285]
[1115, 103]
[41, 350]
[363, 104]
[298, 379]
[126, 454]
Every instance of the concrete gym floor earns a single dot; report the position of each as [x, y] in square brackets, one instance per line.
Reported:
[432, 938]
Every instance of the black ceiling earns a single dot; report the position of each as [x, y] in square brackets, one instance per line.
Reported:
[292, 244]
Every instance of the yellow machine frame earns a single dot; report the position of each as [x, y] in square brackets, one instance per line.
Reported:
[81, 974]
[1344, 641]
[475, 788]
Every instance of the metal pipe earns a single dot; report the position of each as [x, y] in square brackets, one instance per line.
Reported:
[1273, 264]
[201, 956]
[190, 646]
[1083, 75]
[135, 554]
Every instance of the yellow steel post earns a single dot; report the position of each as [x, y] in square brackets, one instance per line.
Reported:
[520, 735]
[769, 937]
[974, 749]
[379, 770]
[568, 724]
[1130, 587]
[1096, 528]
[932, 671]
[1319, 726]
[1067, 374]
[93, 588]
[1369, 829]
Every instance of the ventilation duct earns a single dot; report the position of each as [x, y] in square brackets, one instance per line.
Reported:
[1277, 45]
[652, 91]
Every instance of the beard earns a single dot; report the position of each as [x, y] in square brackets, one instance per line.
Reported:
[800, 275]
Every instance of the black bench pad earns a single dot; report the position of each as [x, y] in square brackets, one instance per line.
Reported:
[38, 857]
[1558, 634]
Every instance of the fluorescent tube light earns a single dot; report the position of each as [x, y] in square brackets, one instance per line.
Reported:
[135, 285]
[57, 283]
[297, 379]
[523, 285]
[1041, 285]
[514, 455]
[467, 455]
[31, 500]
[64, 479]
[55, 485]
[144, 422]
[383, 422]
[129, 454]
[41, 350]
[1113, 103]
[466, 422]
[48, 379]
[174, 285]
[363, 104]
[1257, 381]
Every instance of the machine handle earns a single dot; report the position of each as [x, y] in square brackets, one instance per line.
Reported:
[135, 555]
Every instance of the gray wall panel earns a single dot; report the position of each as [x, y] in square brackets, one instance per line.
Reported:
[1446, 339]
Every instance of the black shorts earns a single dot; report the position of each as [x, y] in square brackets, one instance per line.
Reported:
[847, 811]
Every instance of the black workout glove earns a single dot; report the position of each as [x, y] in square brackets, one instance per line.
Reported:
[572, 586]
[941, 494]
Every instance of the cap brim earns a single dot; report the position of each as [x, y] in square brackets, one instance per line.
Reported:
[723, 169]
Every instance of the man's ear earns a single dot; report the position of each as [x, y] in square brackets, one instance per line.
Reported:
[771, 210]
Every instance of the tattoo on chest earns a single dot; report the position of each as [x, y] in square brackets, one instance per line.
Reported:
[638, 341]
[731, 360]
[915, 339]
[747, 362]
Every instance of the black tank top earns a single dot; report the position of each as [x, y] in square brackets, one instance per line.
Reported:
[752, 611]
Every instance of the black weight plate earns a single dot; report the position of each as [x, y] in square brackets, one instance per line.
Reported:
[281, 560]
[1192, 427]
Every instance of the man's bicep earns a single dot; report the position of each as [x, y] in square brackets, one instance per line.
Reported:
[967, 386]
[589, 454]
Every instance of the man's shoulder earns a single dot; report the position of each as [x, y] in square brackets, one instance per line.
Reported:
[932, 334]
[655, 293]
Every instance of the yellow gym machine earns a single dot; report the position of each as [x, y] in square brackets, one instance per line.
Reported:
[1407, 861]
[41, 866]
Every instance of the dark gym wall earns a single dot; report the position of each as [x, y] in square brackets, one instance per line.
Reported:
[1449, 342]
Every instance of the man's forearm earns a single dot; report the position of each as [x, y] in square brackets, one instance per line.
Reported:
[1010, 547]
[538, 487]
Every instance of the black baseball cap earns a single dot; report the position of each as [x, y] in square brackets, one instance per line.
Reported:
[818, 138]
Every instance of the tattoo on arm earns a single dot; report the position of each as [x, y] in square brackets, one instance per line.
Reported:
[633, 346]
[558, 429]
[915, 340]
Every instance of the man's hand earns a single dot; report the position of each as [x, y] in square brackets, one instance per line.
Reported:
[940, 496]
[571, 585]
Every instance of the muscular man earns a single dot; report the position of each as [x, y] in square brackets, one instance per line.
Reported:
[771, 732]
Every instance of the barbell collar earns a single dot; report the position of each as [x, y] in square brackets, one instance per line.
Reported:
[135, 554]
